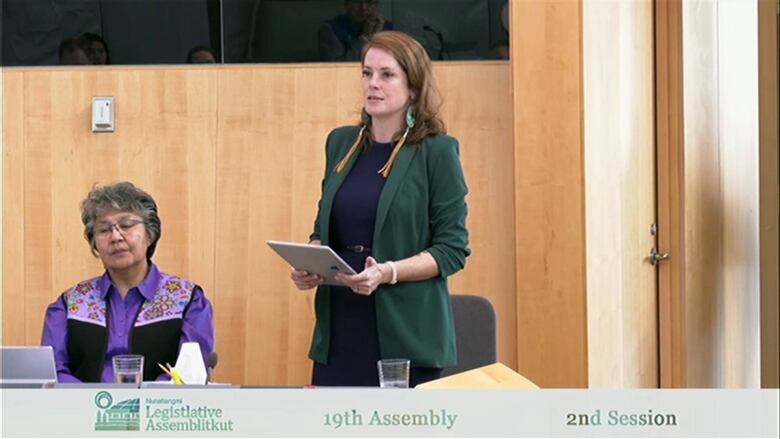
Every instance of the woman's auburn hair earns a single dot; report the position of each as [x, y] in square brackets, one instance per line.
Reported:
[416, 64]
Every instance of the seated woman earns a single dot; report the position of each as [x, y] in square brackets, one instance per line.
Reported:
[133, 308]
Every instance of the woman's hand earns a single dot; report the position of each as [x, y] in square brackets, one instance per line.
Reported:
[373, 24]
[305, 280]
[368, 280]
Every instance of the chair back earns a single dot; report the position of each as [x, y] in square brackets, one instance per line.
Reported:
[475, 331]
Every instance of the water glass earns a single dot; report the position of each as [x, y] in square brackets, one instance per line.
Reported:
[128, 368]
[393, 373]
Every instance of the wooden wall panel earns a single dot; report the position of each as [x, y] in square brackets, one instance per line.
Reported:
[549, 194]
[769, 191]
[722, 327]
[670, 200]
[38, 219]
[620, 194]
[234, 156]
[268, 143]
[703, 217]
[739, 311]
[484, 129]
[13, 309]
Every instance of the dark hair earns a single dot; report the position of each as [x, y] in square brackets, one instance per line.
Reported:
[72, 44]
[121, 197]
[95, 38]
[196, 49]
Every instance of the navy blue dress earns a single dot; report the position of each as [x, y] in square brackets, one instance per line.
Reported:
[354, 340]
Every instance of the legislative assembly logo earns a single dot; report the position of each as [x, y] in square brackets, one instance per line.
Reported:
[158, 414]
[122, 416]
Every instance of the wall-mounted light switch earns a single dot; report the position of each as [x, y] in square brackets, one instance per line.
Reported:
[102, 114]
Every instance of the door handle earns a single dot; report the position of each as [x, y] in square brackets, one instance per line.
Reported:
[656, 257]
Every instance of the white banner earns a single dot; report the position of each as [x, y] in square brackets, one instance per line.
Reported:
[235, 412]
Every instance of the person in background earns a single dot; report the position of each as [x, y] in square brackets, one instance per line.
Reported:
[97, 44]
[133, 307]
[342, 37]
[393, 207]
[74, 51]
[201, 55]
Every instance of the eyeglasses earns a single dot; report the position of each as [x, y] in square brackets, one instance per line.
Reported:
[104, 231]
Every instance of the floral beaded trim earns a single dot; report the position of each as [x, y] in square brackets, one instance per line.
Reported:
[169, 302]
[85, 304]
[170, 299]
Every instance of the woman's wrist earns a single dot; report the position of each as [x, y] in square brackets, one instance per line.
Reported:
[385, 273]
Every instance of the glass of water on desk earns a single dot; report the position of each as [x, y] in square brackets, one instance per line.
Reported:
[393, 373]
[128, 368]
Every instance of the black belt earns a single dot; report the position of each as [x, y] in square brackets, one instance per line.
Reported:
[357, 248]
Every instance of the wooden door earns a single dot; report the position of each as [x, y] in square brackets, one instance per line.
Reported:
[717, 143]
[620, 194]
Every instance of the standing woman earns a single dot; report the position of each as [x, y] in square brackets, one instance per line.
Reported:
[392, 206]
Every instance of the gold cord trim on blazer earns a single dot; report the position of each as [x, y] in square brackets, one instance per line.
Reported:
[385, 171]
[343, 163]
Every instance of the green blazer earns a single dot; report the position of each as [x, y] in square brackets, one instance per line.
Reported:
[422, 207]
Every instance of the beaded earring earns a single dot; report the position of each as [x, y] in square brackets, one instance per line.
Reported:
[410, 120]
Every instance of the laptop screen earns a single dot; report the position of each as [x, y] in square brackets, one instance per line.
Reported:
[27, 365]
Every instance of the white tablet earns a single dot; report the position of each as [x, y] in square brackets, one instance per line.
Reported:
[319, 259]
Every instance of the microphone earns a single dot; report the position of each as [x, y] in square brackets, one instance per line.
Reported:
[211, 363]
[439, 36]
